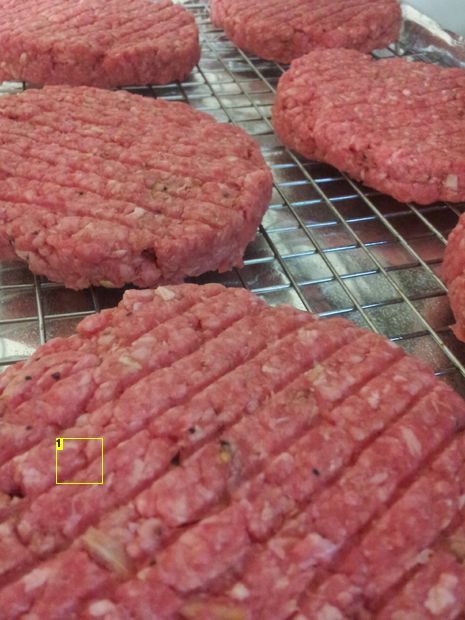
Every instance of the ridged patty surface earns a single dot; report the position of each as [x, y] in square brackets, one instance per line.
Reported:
[259, 464]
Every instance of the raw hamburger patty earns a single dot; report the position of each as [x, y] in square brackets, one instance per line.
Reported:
[282, 31]
[397, 126]
[453, 271]
[96, 42]
[102, 187]
[259, 464]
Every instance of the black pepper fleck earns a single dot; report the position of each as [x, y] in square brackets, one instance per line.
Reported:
[226, 452]
[176, 460]
[315, 471]
[56, 375]
[191, 430]
[28, 378]
[29, 427]
[16, 492]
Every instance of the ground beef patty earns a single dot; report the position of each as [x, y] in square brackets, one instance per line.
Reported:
[282, 31]
[453, 271]
[260, 464]
[395, 125]
[100, 187]
[96, 42]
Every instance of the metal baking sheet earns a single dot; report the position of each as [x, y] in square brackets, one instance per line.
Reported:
[422, 34]
[327, 244]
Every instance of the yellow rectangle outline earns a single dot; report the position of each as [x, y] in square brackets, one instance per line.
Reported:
[76, 439]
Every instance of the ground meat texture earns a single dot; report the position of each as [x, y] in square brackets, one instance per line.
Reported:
[260, 464]
[394, 125]
[436, 590]
[111, 43]
[453, 271]
[108, 188]
[284, 31]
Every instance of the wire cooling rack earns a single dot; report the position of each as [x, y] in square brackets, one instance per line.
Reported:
[327, 244]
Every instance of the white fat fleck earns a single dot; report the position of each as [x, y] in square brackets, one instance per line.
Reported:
[165, 293]
[323, 548]
[119, 253]
[326, 433]
[32, 476]
[240, 592]
[278, 422]
[290, 608]
[180, 509]
[23, 58]
[145, 294]
[137, 470]
[113, 184]
[379, 478]
[35, 579]
[423, 557]
[406, 92]
[412, 442]
[73, 519]
[314, 373]
[126, 360]
[461, 501]
[440, 596]
[267, 512]
[331, 393]
[308, 335]
[282, 583]
[100, 608]
[276, 548]
[328, 612]
[149, 533]
[138, 212]
[457, 545]
[24, 528]
[373, 400]
[452, 181]
[357, 433]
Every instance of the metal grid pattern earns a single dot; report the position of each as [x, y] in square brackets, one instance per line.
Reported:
[327, 244]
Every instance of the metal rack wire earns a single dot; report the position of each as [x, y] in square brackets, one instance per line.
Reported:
[327, 244]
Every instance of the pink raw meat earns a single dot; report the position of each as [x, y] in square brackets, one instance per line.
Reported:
[282, 31]
[108, 188]
[394, 125]
[96, 42]
[260, 464]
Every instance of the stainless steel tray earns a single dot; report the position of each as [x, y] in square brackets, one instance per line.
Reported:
[327, 244]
